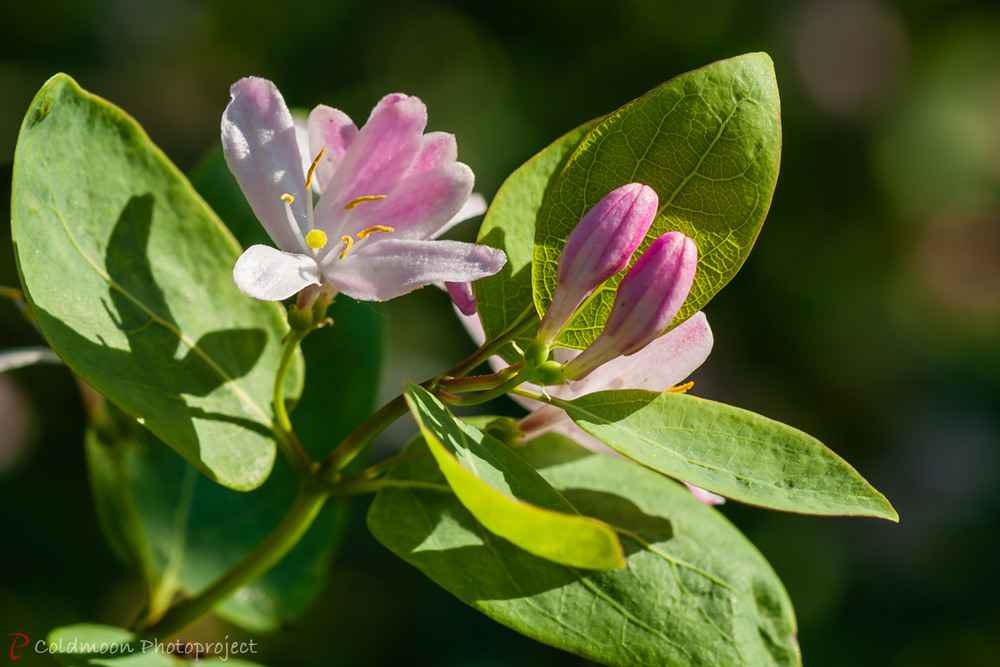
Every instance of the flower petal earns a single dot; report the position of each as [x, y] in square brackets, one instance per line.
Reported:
[473, 206]
[421, 205]
[272, 275]
[258, 140]
[333, 130]
[378, 157]
[660, 365]
[704, 496]
[437, 149]
[388, 268]
[462, 296]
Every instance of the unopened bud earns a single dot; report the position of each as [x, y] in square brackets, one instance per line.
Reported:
[649, 297]
[601, 245]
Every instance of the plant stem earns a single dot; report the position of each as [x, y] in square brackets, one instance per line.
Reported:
[303, 512]
[288, 442]
[11, 293]
[484, 396]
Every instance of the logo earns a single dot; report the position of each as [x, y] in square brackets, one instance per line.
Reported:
[20, 641]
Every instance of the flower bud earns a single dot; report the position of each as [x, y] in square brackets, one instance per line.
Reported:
[649, 297]
[601, 245]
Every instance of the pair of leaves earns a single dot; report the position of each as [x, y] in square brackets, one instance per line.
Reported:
[693, 591]
[129, 275]
[708, 142]
[506, 495]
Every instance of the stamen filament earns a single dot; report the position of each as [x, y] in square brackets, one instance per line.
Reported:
[361, 200]
[292, 222]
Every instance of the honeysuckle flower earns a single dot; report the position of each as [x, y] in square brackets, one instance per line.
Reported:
[386, 192]
[601, 245]
[659, 366]
[648, 298]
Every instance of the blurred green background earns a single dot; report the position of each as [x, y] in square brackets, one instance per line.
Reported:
[868, 313]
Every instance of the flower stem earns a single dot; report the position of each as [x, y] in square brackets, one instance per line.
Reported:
[476, 399]
[288, 442]
[303, 512]
[11, 293]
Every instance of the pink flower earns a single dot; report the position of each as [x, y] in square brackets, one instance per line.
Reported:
[601, 245]
[386, 192]
[648, 298]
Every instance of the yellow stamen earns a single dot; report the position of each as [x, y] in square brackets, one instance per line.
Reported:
[349, 241]
[681, 388]
[377, 228]
[316, 239]
[312, 169]
[287, 198]
[362, 200]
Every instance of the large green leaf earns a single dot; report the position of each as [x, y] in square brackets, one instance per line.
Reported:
[733, 452]
[709, 143]
[693, 592]
[505, 298]
[92, 645]
[507, 495]
[129, 275]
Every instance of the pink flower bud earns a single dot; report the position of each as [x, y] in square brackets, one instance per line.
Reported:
[600, 245]
[649, 297]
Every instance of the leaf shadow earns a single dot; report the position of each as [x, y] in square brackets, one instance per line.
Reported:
[157, 375]
[482, 567]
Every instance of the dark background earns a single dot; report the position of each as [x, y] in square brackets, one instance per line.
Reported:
[868, 313]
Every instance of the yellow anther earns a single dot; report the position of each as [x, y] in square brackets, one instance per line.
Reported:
[287, 198]
[362, 200]
[377, 228]
[312, 169]
[681, 388]
[349, 241]
[316, 239]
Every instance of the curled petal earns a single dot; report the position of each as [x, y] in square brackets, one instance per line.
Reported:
[378, 157]
[419, 206]
[704, 496]
[392, 267]
[258, 140]
[473, 206]
[333, 130]
[272, 275]
[662, 364]
[463, 298]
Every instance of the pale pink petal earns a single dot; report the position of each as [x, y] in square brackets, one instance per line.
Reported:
[705, 497]
[378, 157]
[388, 268]
[419, 206]
[333, 130]
[437, 149]
[302, 141]
[473, 206]
[258, 140]
[265, 273]
[660, 365]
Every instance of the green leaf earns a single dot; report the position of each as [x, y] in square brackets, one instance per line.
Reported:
[129, 275]
[192, 531]
[505, 299]
[92, 645]
[694, 590]
[733, 452]
[507, 495]
[709, 143]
